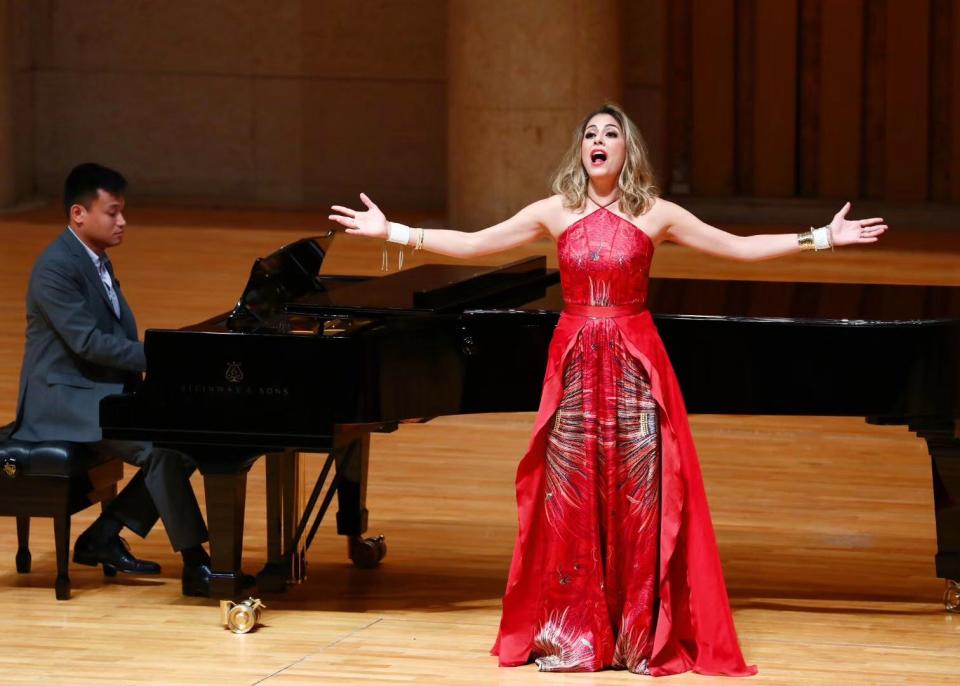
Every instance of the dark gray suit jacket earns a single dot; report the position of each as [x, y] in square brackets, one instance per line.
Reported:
[77, 351]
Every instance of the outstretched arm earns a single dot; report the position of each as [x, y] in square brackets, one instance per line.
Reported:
[684, 228]
[523, 227]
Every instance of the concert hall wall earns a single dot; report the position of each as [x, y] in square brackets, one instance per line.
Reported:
[294, 103]
[279, 103]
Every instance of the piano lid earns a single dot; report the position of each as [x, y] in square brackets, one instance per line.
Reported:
[277, 279]
[434, 288]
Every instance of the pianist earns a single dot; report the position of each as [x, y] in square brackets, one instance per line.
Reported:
[81, 345]
[615, 563]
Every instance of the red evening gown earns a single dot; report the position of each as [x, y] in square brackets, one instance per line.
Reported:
[615, 563]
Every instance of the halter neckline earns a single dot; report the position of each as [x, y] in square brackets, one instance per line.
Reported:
[602, 207]
[569, 227]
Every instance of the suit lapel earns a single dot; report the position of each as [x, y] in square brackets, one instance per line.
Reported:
[77, 249]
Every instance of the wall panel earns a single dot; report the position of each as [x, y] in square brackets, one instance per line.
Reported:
[838, 99]
[744, 96]
[680, 102]
[941, 99]
[841, 97]
[171, 135]
[907, 100]
[775, 98]
[352, 148]
[873, 114]
[713, 43]
[809, 96]
[955, 118]
[644, 46]
[292, 102]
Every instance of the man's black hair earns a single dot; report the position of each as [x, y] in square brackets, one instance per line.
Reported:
[85, 180]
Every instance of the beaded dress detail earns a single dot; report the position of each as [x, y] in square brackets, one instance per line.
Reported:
[615, 535]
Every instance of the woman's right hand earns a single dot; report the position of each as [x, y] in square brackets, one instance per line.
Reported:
[370, 223]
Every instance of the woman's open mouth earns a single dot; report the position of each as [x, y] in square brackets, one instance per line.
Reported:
[597, 158]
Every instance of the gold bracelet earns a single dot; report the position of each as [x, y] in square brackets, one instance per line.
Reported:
[805, 240]
[419, 244]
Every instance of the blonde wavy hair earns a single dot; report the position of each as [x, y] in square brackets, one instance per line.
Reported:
[636, 182]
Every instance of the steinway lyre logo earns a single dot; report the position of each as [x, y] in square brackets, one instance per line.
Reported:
[234, 373]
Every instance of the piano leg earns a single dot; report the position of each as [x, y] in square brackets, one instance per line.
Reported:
[351, 461]
[226, 497]
[944, 447]
[284, 506]
[295, 486]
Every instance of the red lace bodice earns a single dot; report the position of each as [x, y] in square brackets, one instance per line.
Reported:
[604, 260]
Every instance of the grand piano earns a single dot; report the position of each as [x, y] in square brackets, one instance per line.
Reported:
[313, 363]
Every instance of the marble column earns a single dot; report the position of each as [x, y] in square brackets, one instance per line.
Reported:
[521, 75]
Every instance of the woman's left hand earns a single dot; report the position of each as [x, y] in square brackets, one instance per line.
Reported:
[845, 231]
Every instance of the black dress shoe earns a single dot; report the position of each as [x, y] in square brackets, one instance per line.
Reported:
[113, 553]
[196, 580]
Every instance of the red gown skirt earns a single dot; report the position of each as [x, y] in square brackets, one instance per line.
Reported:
[615, 563]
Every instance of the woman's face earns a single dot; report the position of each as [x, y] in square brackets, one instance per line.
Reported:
[603, 149]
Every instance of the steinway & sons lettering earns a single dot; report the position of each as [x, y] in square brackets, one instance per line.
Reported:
[237, 389]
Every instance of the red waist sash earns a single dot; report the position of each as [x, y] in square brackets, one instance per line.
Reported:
[603, 311]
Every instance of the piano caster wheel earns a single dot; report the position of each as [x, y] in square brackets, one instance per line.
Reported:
[366, 553]
[951, 597]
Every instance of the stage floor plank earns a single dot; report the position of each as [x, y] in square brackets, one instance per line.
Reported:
[825, 525]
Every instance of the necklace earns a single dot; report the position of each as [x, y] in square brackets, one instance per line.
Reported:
[602, 207]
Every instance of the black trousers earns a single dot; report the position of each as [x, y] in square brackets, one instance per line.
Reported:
[160, 489]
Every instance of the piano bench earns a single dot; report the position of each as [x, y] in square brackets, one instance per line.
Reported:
[52, 479]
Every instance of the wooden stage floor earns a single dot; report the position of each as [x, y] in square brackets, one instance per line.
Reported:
[825, 525]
